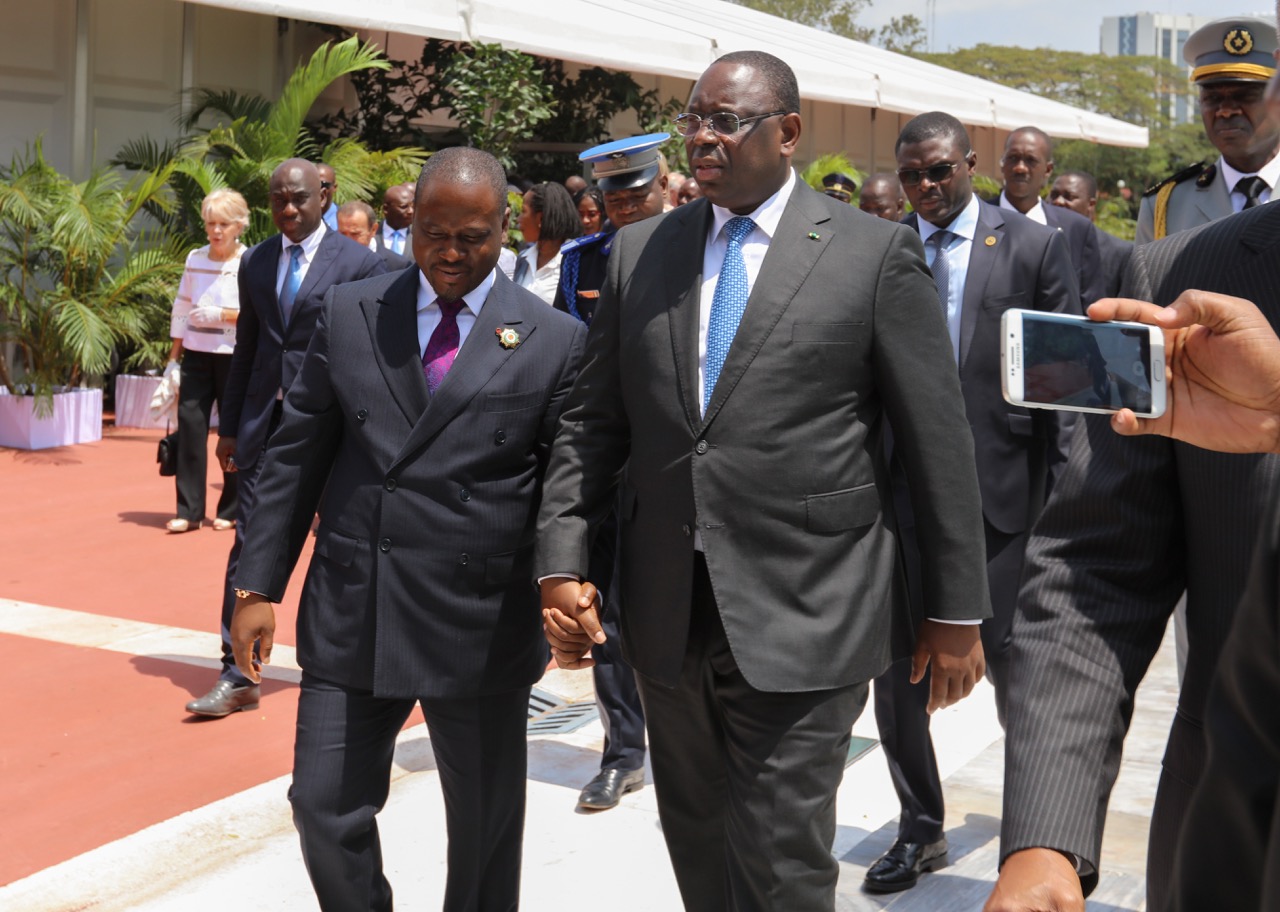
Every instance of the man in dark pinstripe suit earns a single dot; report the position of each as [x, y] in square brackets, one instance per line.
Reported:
[1132, 523]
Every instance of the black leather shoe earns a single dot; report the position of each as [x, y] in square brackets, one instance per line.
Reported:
[226, 698]
[608, 787]
[901, 866]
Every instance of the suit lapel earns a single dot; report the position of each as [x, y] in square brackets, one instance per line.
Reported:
[684, 286]
[393, 327]
[266, 266]
[793, 250]
[326, 256]
[477, 361]
[982, 258]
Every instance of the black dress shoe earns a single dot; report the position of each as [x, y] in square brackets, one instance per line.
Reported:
[608, 787]
[226, 698]
[901, 866]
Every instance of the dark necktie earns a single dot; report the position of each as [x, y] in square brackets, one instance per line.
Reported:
[292, 282]
[727, 304]
[1251, 186]
[522, 275]
[442, 347]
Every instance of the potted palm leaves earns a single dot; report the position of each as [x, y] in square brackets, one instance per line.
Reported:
[80, 274]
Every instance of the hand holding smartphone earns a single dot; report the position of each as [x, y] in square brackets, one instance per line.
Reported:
[1060, 361]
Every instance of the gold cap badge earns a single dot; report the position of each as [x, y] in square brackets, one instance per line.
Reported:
[1238, 42]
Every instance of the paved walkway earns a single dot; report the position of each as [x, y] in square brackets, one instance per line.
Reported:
[115, 799]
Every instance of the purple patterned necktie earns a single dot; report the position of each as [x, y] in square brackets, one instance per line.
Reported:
[442, 347]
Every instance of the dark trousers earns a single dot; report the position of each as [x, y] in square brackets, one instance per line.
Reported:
[617, 698]
[204, 377]
[342, 774]
[247, 494]
[900, 705]
[746, 780]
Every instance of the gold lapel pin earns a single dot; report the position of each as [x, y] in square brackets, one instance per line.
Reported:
[507, 338]
[990, 241]
[813, 236]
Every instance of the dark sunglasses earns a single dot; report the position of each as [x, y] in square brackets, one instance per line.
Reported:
[936, 174]
[724, 123]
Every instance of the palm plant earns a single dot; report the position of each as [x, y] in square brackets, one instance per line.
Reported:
[78, 273]
[832, 162]
[250, 136]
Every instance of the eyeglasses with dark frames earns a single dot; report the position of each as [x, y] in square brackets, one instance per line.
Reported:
[936, 174]
[723, 123]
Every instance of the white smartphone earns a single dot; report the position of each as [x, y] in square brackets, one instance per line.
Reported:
[1059, 361]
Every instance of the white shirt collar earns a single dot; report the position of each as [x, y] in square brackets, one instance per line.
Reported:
[964, 225]
[473, 299]
[1270, 173]
[766, 215]
[388, 232]
[309, 244]
[1035, 213]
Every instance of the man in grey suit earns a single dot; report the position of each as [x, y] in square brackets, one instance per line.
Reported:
[1231, 61]
[281, 282]
[986, 260]
[1131, 525]
[747, 352]
[427, 472]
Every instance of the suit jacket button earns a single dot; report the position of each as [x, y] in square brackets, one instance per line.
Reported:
[385, 545]
[500, 438]
[463, 559]
[465, 495]
[701, 448]
[362, 414]
[390, 484]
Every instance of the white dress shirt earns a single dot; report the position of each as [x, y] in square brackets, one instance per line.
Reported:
[1035, 213]
[429, 310]
[542, 282]
[754, 246]
[310, 244]
[1270, 173]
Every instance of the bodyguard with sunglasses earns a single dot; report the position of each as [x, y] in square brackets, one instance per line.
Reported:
[985, 260]
[746, 354]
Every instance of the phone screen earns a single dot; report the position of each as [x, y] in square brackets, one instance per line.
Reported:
[1094, 365]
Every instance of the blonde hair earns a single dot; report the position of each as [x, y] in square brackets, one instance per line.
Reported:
[227, 204]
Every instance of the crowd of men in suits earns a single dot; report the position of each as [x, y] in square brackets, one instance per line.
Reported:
[754, 458]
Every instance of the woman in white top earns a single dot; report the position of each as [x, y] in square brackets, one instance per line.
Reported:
[548, 218]
[203, 328]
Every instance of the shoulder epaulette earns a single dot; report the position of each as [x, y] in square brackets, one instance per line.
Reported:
[1199, 169]
[586, 241]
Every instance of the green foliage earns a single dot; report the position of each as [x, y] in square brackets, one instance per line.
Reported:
[78, 275]
[904, 35]
[1115, 216]
[823, 165]
[1127, 88]
[498, 98]
[244, 138]
[986, 187]
[836, 16]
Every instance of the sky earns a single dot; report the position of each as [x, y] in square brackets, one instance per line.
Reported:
[1067, 25]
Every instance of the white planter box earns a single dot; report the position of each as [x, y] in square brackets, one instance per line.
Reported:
[76, 418]
[133, 403]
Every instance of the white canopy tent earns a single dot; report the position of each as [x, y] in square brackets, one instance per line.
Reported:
[679, 38]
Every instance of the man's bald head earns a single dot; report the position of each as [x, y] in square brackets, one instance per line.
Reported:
[882, 197]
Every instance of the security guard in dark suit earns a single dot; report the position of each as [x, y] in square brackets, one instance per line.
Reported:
[1232, 59]
[629, 173]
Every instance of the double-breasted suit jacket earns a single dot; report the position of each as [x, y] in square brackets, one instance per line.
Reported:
[419, 586]
[784, 477]
[268, 352]
[1131, 525]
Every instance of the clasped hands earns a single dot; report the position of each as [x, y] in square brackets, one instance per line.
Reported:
[571, 620]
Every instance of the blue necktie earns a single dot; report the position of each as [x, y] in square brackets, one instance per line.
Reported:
[292, 282]
[942, 269]
[397, 242]
[727, 305]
